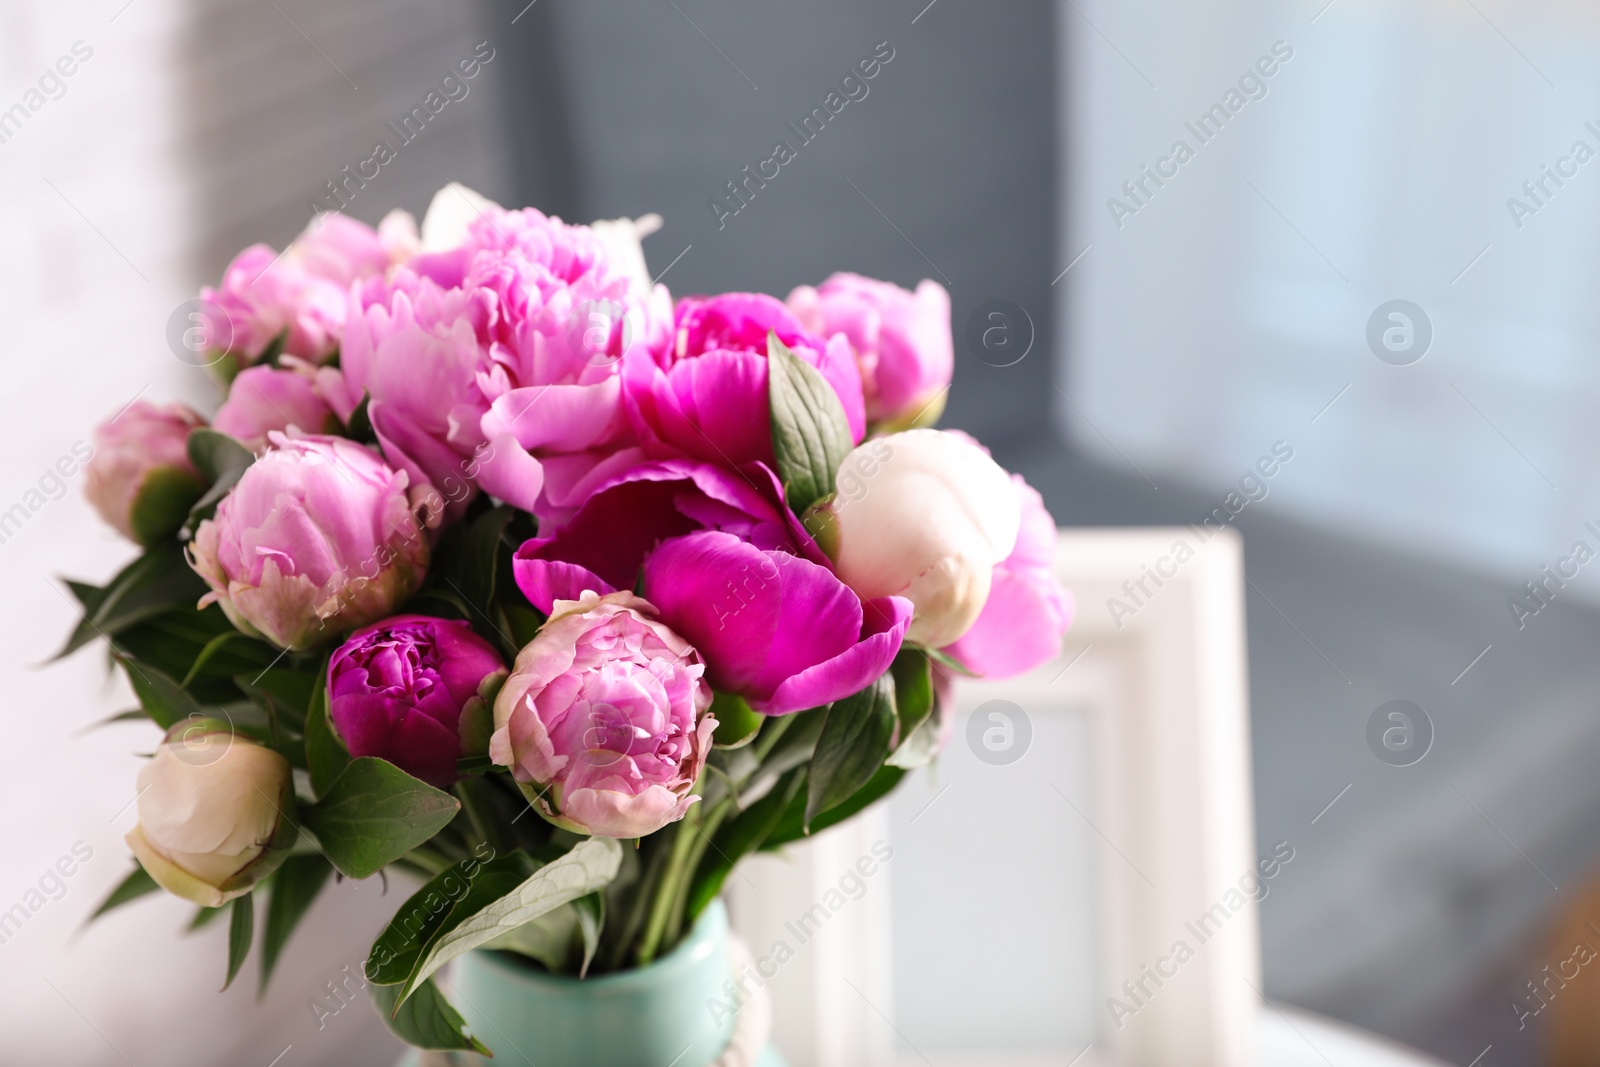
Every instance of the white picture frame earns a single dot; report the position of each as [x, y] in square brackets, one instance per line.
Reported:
[1156, 655]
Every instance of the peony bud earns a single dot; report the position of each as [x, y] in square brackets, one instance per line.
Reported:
[901, 340]
[263, 399]
[319, 537]
[140, 479]
[925, 515]
[410, 690]
[214, 813]
[604, 720]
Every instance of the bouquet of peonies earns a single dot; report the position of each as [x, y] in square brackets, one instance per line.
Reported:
[488, 524]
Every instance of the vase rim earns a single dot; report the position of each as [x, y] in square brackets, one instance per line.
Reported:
[709, 931]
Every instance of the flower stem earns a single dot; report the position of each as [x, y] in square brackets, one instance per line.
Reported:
[665, 893]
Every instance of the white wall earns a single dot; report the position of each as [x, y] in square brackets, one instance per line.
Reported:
[192, 129]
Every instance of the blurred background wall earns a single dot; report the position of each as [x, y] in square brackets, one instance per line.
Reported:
[1166, 346]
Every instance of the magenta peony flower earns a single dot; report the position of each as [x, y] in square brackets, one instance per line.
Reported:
[631, 505]
[140, 479]
[901, 340]
[706, 396]
[604, 719]
[319, 537]
[303, 290]
[397, 690]
[263, 399]
[781, 631]
[1028, 611]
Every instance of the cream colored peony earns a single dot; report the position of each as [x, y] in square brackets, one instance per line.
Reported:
[926, 515]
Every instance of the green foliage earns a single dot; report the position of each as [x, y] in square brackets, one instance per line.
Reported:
[810, 433]
[326, 756]
[162, 504]
[222, 461]
[293, 890]
[374, 813]
[136, 885]
[156, 582]
[241, 930]
[425, 1019]
[856, 738]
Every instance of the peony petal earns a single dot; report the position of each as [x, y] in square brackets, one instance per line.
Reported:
[508, 472]
[544, 581]
[565, 418]
[883, 631]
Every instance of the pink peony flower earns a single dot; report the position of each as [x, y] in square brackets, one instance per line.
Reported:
[488, 359]
[397, 690]
[303, 290]
[263, 399]
[604, 719]
[1028, 611]
[140, 479]
[901, 339]
[415, 349]
[706, 395]
[319, 537]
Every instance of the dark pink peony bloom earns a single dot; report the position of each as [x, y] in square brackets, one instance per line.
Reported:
[397, 690]
[706, 395]
[779, 630]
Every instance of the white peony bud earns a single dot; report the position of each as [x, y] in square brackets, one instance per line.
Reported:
[213, 813]
[926, 515]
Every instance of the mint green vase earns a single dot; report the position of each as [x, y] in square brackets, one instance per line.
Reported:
[655, 1016]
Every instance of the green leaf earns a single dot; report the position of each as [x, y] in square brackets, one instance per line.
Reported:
[737, 722]
[326, 756]
[374, 813]
[274, 348]
[241, 929]
[855, 741]
[524, 623]
[913, 699]
[810, 433]
[136, 885]
[163, 503]
[476, 920]
[397, 950]
[949, 662]
[287, 694]
[425, 1020]
[591, 922]
[294, 888]
[173, 639]
[469, 567]
[131, 715]
[163, 699]
[360, 425]
[743, 835]
[157, 581]
[203, 917]
[222, 461]
[792, 827]
[215, 648]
